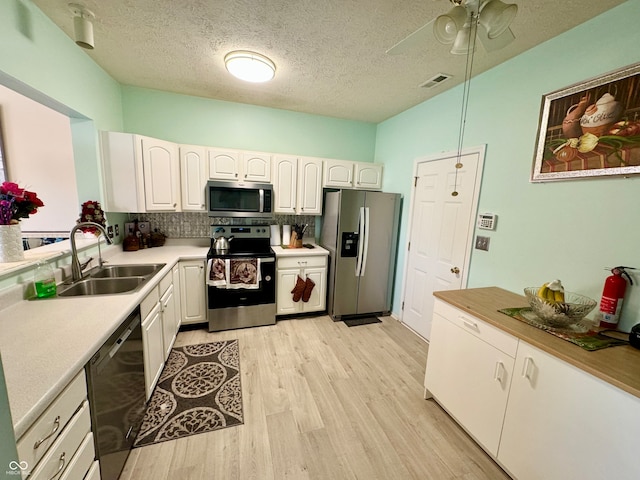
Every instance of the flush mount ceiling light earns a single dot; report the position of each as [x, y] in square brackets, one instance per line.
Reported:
[82, 25]
[249, 66]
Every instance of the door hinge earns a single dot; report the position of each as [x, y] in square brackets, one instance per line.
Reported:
[402, 307]
[415, 181]
[409, 247]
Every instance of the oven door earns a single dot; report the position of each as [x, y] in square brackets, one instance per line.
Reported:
[225, 199]
[230, 308]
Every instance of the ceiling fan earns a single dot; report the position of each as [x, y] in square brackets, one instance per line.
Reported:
[490, 19]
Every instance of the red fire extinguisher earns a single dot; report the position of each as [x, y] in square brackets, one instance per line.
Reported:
[613, 296]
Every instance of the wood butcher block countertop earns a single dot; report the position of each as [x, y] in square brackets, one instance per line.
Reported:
[619, 366]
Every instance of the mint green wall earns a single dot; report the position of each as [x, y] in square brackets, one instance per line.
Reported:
[569, 230]
[200, 121]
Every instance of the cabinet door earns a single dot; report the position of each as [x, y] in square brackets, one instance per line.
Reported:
[317, 300]
[285, 180]
[470, 379]
[368, 176]
[338, 173]
[193, 163]
[177, 293]
[161, 175]
[153, 346]
[286, 280]
[564, 423]
[169, 329]
[192, 292]
[256, 167]
[309, 198]
[223, 164]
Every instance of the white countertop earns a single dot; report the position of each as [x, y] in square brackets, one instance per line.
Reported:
[295, 252]
[45, 343]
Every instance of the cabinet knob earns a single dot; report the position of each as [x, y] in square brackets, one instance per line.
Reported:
[175, 205]
[455, 270]
[236, 175]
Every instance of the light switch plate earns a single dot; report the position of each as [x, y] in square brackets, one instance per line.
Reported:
[482, 243]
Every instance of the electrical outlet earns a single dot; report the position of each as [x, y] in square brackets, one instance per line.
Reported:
[110, 231]
[482, 243]
[117, 229]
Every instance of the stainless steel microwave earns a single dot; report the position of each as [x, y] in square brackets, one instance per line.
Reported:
[228, 199]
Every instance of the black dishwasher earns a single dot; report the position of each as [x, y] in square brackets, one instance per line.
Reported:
[117, 396]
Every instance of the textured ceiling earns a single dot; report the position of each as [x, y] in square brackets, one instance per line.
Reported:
[330, 54]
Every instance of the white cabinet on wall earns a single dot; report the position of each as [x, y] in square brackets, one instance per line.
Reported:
[338, 174]
[346, 174]
[287, 270]
[239, 166]
[193, 303]
[194, 176]
[368, 176]
[564, 423]
[298, 185]
[469, 371]
[141, 174]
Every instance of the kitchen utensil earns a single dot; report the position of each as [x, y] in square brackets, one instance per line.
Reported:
[560, 314]
[222, 243]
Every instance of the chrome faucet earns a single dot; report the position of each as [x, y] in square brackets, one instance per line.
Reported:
[76, 269]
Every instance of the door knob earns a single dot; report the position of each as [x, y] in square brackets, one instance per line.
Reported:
[455, 270]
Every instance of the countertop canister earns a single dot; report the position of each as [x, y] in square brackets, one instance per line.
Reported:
[275, 235]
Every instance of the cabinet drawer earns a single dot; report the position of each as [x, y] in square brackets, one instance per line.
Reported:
[63, 449]
[165, 283]
[94, 472]
[149, 302]
[302, 262]
[81, 461]
[50, 424]
[488, 333]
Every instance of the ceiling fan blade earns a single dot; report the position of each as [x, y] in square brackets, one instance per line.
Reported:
[492, 44]
[417, 38]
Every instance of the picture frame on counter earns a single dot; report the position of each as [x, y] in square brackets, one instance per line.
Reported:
[590, 129]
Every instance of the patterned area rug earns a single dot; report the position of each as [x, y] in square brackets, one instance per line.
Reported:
[198, 391]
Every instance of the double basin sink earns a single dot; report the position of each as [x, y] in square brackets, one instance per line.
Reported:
[112, 279]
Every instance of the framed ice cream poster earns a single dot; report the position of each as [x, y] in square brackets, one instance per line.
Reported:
[590, 129]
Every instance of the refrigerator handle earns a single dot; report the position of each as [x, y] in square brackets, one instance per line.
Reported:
[365, 254]
[361, 233]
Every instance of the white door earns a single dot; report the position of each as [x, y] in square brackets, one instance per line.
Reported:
[310, 186]
[441, 229]
[161, 174]
[193, 164]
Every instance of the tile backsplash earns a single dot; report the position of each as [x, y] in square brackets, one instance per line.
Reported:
[198, 224]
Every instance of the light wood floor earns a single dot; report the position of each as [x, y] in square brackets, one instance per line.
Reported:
[324, 401]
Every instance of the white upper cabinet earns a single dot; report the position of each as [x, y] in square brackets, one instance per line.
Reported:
[368, 176]
[194, 176]
[141, 174]
[338, 174]
[239, 166]
[346, 174]
[309, 198]
[298, 185]
[285, 184]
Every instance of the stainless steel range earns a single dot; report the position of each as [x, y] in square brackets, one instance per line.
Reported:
[241, 278]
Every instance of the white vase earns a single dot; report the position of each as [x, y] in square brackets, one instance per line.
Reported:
[11, 243]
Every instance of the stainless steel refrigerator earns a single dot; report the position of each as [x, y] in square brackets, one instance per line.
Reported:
[360, 230]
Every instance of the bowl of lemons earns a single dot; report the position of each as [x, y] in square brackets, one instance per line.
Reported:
[558, 308]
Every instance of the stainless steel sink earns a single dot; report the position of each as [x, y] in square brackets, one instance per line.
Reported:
[138, 270]
[112, 279]
[102, 286]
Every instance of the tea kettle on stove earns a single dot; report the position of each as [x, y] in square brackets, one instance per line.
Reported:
[221, 243]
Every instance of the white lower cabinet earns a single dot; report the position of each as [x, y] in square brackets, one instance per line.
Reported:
[538, 416]
[193, 304]
[468, 374]
[60, 441]
[563, 423]
[287, 270]
[153, 346]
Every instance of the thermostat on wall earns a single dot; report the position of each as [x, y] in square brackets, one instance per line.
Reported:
[487, 221]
